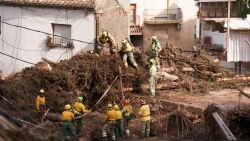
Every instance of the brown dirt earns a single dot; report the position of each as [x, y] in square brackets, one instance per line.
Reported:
[89, 75]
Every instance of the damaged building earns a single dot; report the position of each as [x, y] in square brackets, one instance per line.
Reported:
[212, 29]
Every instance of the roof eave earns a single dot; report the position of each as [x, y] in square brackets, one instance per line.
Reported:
[50, 6]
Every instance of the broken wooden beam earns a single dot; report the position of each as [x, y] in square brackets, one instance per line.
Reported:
[226, 131]
[243, 93]
[232, 79]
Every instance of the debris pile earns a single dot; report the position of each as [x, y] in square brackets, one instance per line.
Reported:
[239, 123]
[85, 74]
[201, 65]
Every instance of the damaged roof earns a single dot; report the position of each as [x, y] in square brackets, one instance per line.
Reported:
[78, 4]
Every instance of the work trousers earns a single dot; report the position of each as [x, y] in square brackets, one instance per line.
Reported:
[127, 118]
[145, 128]
[68, 131]
[129, 55]
[118, 129]
[152, 84]
[79, 124]
[109, 127]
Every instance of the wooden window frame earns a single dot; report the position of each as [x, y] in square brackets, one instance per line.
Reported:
[134, 12]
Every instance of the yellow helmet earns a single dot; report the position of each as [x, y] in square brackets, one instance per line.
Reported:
[67, 107]
[105, 34]
[124, 41]
[41, 91]
[80, 98]
[152, 61]
[143, 102]
[154, 38]
[110, 105]
[116, 107]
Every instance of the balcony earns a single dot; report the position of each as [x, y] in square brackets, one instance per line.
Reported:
[135, 28]
[162, 16]
[59, 42]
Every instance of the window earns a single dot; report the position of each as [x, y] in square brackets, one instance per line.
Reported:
[132, 14]
[204, 9]
[61, 30]
[219, 9]
[235, 9]
[212, 9]
[225, 9]
[0, 25]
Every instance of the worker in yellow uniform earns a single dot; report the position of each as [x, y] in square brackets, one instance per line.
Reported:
[152, 79]
[155, 49]
[105, 39]
[67, 126]
[127, 52]
[40, 102]
[80, 108]
[144, 113]
[110, 123]
[118, 127]
[127, 112]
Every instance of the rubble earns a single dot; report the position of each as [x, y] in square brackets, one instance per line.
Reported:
[89, 75]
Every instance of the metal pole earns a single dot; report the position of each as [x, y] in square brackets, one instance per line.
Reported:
[226, 131]
[228, 23]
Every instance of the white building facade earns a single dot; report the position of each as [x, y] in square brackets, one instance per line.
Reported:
[172, 20]
[54, 30]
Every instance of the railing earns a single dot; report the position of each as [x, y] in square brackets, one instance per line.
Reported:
[61, 41]
[136, 30]
[167, 15]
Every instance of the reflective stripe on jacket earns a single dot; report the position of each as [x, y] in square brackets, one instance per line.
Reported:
[118, 114]
[155, 46]
[104, 40]
[144, 112]
[128, 110]
[111, 115]
[153, 70]
[127, 47]
[79, 107]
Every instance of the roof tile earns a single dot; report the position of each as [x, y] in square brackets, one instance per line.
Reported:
[80, 4]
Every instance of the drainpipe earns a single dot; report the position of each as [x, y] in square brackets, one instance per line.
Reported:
[167, 4]
[97, 27]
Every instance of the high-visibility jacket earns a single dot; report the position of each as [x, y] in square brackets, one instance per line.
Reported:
[156, 46]
[153, 70]
[79, 107]
[103, 40]
[67, 115]
[127, 47]
[111, 115]
[40, 100]
[144, 112]
[127, 110]
[118, 114]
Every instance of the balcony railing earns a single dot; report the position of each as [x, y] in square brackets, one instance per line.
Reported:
[136, 30]
[162, 16]
[61, 41]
